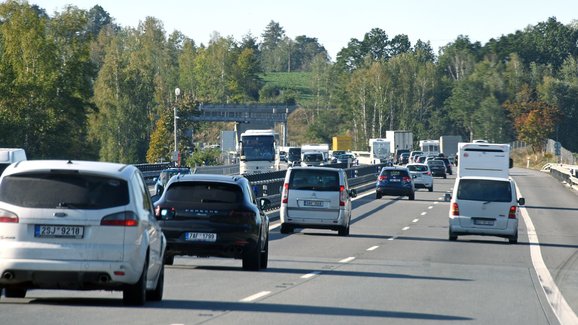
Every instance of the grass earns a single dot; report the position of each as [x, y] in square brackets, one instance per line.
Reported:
[298, 82]
[526, 158]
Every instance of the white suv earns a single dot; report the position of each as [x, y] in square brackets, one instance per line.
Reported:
[79, 225]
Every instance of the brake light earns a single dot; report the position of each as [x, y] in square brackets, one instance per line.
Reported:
[342, 196]
[428, 173]
[121, 219]
[406, 179]
[382, 178]
[8, 217]
[455, 210]
[285, 198]
[512, 213]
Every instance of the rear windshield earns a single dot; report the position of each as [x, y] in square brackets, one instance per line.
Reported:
[417, 168]
[317, 180]
[484, 190]
[204, 192]
[435, 163]
[313, 157]
[395, 173]
[63, 190]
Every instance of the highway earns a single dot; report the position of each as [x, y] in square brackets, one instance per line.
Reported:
[396, 267]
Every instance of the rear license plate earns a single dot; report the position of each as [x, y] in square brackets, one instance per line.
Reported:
[310, 203]
[58, 231]
[483, 222]
[201, 236]
[395, 180]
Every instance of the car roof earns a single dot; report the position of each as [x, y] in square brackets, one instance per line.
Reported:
[416, 164]
[207, 178]
[123, 171]
[176, 169]
[395, 168]
[486, 178]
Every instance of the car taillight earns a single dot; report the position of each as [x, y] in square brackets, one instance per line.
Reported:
[455, 210]
[342, 196]
[428, 173]
[8, 217]
[512, 213]
[285, 198]
[406, 179]
[382, 178]
[121, 219]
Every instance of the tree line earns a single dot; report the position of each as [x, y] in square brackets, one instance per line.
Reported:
[76, 85]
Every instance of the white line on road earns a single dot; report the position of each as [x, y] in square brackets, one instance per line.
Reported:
[392, 238]
[255, 296]
[415, 220]
[423, 213]
[559, 305]
[310, 275]
[405, 228]
[347, 260]
[430, 207]
[436, 202]
[372, 248]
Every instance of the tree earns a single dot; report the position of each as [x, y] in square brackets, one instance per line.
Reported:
[273, 36]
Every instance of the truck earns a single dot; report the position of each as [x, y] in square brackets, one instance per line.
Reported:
[484, 160]
[9, 156]
[379, 150]
[449, 145]
[429, 147]
[400, 141]
[342, 143]
[257, 151]
[323, 148]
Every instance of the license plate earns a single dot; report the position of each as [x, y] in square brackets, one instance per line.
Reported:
[483, 222]
[201, 236]
[58, 231]
[396, 180]
[310, 203]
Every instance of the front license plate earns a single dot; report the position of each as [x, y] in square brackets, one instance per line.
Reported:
[310, 203]
[201, 236]
[58, 231]
[483, 222]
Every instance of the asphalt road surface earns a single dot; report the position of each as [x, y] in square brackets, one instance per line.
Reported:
[396, 267]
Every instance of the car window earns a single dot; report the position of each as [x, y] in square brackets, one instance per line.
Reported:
[313, 158]
[66, 189]
[417, 168]
[395, 173]
[317, 180]
[484, 190]
[435, 163]
[204, 192]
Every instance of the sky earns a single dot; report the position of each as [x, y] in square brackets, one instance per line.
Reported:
[335, 22]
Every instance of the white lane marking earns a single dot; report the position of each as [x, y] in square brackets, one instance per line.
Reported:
[372, 248]
[415, 220]
[430, 207]
[310, 275]
[559, 305]
[436, 202]
[347, 260]
[392, 238]
[405, 228]
[423, 213]
[255, 296]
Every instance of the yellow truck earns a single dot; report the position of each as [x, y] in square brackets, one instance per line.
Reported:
[342, 142]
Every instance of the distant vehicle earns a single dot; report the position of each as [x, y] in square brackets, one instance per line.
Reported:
[437, 167]
[9, 156]
[395, 181]
[79, 225]
[449, 145]
[404, 158]
[342, 143]
[347, 158]
[312, 159]
[316, 197]
[214, 215]
[421, 175]
[420, 159]
[293, 156]
[430, 147]
[448, 164]
[379, 150]
[166, 175]
[335, 154]
[283, 156]
[399, 140]
[414, 154]
[257, 151]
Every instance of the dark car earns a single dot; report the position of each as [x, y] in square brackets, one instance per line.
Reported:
[395, 181]
[214, 215]
[166, 175]
[404, 158]
[447, 163]
[437, 168]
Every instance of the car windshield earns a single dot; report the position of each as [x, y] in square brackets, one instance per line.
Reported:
[313, 157]
[318, 180]
[436, 163]
[484, 190]
[64, 190]
[417, 168]
[204, 192]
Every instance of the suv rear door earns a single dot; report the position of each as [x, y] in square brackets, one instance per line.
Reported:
[313, 194]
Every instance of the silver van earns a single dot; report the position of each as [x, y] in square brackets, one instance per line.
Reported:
[486, 206]
[316, 197]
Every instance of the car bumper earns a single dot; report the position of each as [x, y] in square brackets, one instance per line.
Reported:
[510, 230]
[339, 220]
[394, 190]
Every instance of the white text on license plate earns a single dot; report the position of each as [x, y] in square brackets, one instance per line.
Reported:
[483, 222]
[310, 203]
[201, 236]
[58, 231]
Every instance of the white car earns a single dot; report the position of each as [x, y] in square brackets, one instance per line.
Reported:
[79, 225]
[421, 175]
[486, 206]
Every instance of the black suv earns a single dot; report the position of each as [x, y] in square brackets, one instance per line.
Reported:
[214, 215]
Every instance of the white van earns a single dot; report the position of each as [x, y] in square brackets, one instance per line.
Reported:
[9, 156]
[316, 197]
[484, 159]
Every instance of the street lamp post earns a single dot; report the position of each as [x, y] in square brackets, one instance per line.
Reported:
[177, 94]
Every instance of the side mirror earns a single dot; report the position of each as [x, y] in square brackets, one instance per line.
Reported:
[352, 192]
[522, 201]
[447, 197]
[264, 203]
[511, 162]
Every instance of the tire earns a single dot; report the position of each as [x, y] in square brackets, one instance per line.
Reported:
[452, 236]
[378, 196]
[412, 196]
[252, 259]
[265, 256]
[343, 231]
[14, 293]
[169, 259]
[135, 294]
[445, 176]
[157, 293]
[430, 189]
[513, 239]
[286, 229]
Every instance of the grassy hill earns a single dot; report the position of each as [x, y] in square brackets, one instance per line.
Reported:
[298, 83]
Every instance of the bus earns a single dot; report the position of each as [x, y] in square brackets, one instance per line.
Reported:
[257, 150]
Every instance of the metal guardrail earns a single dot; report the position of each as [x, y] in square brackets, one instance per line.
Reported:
[567, 174]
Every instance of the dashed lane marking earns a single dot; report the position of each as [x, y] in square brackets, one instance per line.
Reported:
[405, 228]
[423, 213]
[415, 220]
[347, 260]
[256, 296]
[310, 275]
[372, 248]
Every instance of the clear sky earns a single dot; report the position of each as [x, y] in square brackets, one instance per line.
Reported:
[335, 22]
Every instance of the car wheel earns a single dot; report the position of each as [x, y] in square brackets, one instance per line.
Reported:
[157, 293]
[286, 229]
[445, 176]
[430, 188]
[343, 231]
[252, 258]
[412, 196]
[265, 256]
[513, 239]
[378, 196]
[135, 294]
[14, 293]
[169, 259]
[452, 236]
